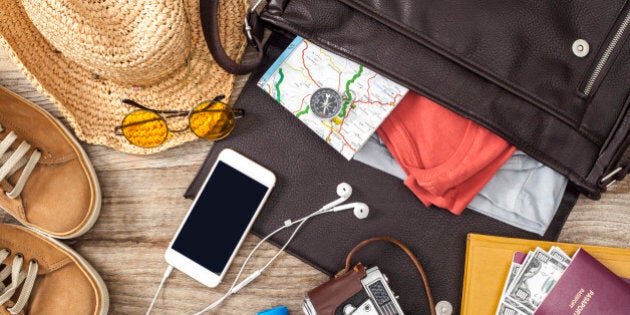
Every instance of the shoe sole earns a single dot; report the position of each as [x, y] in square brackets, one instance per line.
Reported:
[96, 211]
[93, 273]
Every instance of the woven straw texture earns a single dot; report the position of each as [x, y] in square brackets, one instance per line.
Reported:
[86, 56]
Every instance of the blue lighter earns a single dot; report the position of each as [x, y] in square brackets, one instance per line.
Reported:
[280, 310]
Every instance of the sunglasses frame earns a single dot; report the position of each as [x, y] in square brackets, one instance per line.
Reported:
[118, 130]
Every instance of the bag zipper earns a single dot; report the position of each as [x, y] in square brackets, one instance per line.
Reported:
[606, 56]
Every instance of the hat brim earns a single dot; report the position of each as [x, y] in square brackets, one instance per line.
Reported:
[92, 105]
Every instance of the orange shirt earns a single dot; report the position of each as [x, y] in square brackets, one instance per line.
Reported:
[448, 158]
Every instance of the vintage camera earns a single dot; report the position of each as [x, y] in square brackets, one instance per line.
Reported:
[357, 292]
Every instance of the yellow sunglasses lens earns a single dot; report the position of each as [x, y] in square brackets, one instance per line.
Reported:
[145, 129]
[212, 120]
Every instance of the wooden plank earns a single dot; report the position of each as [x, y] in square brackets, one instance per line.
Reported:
[143, 206]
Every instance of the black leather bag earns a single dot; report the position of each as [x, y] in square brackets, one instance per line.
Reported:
[308, 170]
[550, 77]
[507, 65]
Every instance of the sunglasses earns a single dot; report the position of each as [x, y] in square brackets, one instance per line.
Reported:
[147, 128]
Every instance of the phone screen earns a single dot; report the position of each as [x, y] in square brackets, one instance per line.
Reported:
[219, 218]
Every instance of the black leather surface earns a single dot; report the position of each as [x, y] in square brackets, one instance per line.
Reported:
[507, 65]
[308, 171]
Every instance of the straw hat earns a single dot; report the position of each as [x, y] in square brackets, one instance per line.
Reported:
[86, 56]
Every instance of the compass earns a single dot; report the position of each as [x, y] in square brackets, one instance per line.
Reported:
[326, 103]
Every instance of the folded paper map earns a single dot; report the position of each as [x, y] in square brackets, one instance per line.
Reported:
[340, 100]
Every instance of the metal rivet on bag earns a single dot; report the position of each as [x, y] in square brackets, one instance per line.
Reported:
[444, 308]
[581, 48]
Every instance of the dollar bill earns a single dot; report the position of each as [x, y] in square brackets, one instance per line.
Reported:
[560, 255]
[505, 307]
[513, 274]
[528, 257]
[514, 269]
[510, 307]
[501, 308]
[536, 278]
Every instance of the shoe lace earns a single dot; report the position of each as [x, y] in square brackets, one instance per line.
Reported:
[17, 277]
[12, 161]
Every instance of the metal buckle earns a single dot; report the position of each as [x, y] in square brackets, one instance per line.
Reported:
[255, 6]
[248, 27]
[609, 176]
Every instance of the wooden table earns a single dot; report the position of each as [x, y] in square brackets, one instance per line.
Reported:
[143, 206]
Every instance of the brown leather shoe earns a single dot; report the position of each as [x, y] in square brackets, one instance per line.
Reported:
[46, 179]
[44, 276]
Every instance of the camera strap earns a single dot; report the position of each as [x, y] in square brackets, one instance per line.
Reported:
[407, 251]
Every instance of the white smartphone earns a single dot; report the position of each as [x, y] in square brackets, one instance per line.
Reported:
[220, 218]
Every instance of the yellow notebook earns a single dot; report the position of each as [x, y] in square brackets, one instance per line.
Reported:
[488, 261]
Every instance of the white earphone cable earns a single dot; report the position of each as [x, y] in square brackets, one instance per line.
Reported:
[167, 273]
[291, 238]
[343, 190]
[254, 275]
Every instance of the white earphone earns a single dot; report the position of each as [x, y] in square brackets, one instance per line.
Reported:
[360, 209]
[344, 190]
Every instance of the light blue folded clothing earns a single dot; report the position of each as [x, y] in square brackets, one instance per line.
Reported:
[523, 193]
[375, 154]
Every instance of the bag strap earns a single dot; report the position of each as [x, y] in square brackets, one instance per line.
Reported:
[407, 251]
[253, 29]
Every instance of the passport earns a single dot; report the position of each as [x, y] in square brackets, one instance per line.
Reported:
[587, 287]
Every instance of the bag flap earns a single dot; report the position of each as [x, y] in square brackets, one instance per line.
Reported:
[495, 63]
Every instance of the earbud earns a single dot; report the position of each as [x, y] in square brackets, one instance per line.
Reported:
[344, 190]
[360, 209]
